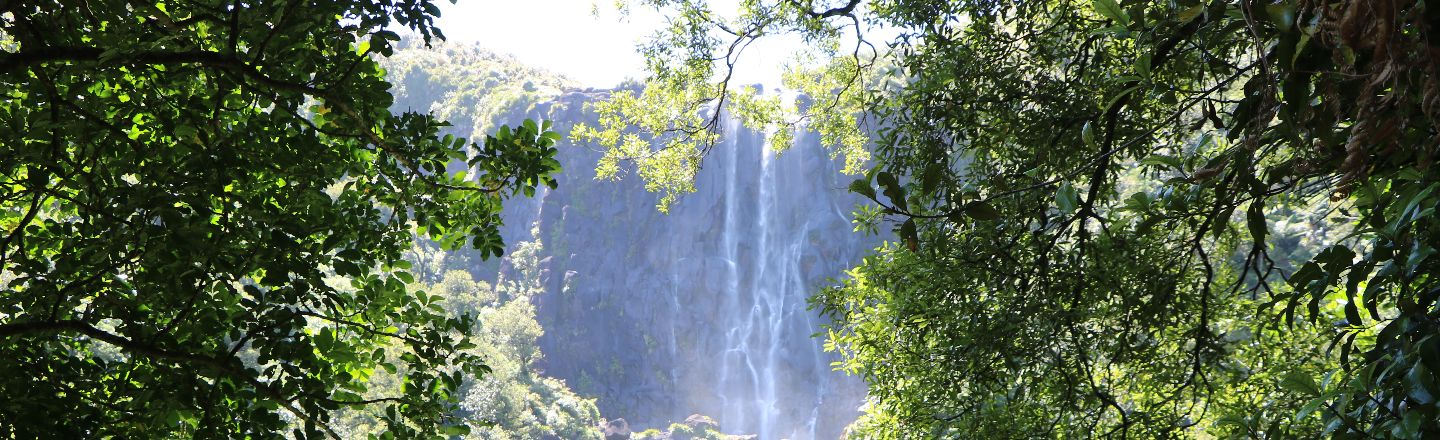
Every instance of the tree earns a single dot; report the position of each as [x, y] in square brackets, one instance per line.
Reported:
[177, 179]
[513, 399]
[1085, 195]
[518, 400]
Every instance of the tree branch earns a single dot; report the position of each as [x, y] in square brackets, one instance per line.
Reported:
[848, 9]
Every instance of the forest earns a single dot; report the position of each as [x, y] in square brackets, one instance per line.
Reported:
[950, 219]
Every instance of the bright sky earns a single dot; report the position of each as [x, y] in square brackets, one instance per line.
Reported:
[564, 36]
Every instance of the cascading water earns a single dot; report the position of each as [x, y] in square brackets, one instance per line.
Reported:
[772, 294]
[702, 310]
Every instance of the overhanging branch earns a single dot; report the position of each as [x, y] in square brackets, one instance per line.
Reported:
[847, 9]
[14, 61]
[36, 328]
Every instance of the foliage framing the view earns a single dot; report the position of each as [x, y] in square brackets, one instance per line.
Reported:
[179, 177]
[666, 128]
[1087, 194]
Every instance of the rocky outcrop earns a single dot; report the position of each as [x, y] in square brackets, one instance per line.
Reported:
[695, 427]
[698, 421]
[616, 429]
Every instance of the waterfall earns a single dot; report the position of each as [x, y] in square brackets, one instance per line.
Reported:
[703, 310]
[766, 317]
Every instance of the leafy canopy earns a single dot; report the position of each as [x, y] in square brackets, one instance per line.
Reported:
[666, 128]
[1089, 196]
[177, 178]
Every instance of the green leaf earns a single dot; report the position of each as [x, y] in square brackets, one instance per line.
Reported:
[981, 211]
[1301, 278]
[892, 189]
[908, 234]
[1429, 348]
[185, 131]
[1300, 382]
[1115, 30]
[1352, 314]
[1142, 65]
[1165, 161]
[1116, 99]
[1255, 221]
[886, 180]
[862, 187]
[1112, 10]
[1308, 409]
[1191, 13]
[1067, 199]
[457, 430]
[1281, 15]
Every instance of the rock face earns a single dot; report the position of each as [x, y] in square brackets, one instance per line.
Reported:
[702, 310]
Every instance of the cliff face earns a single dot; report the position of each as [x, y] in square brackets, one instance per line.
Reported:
[702, 310]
